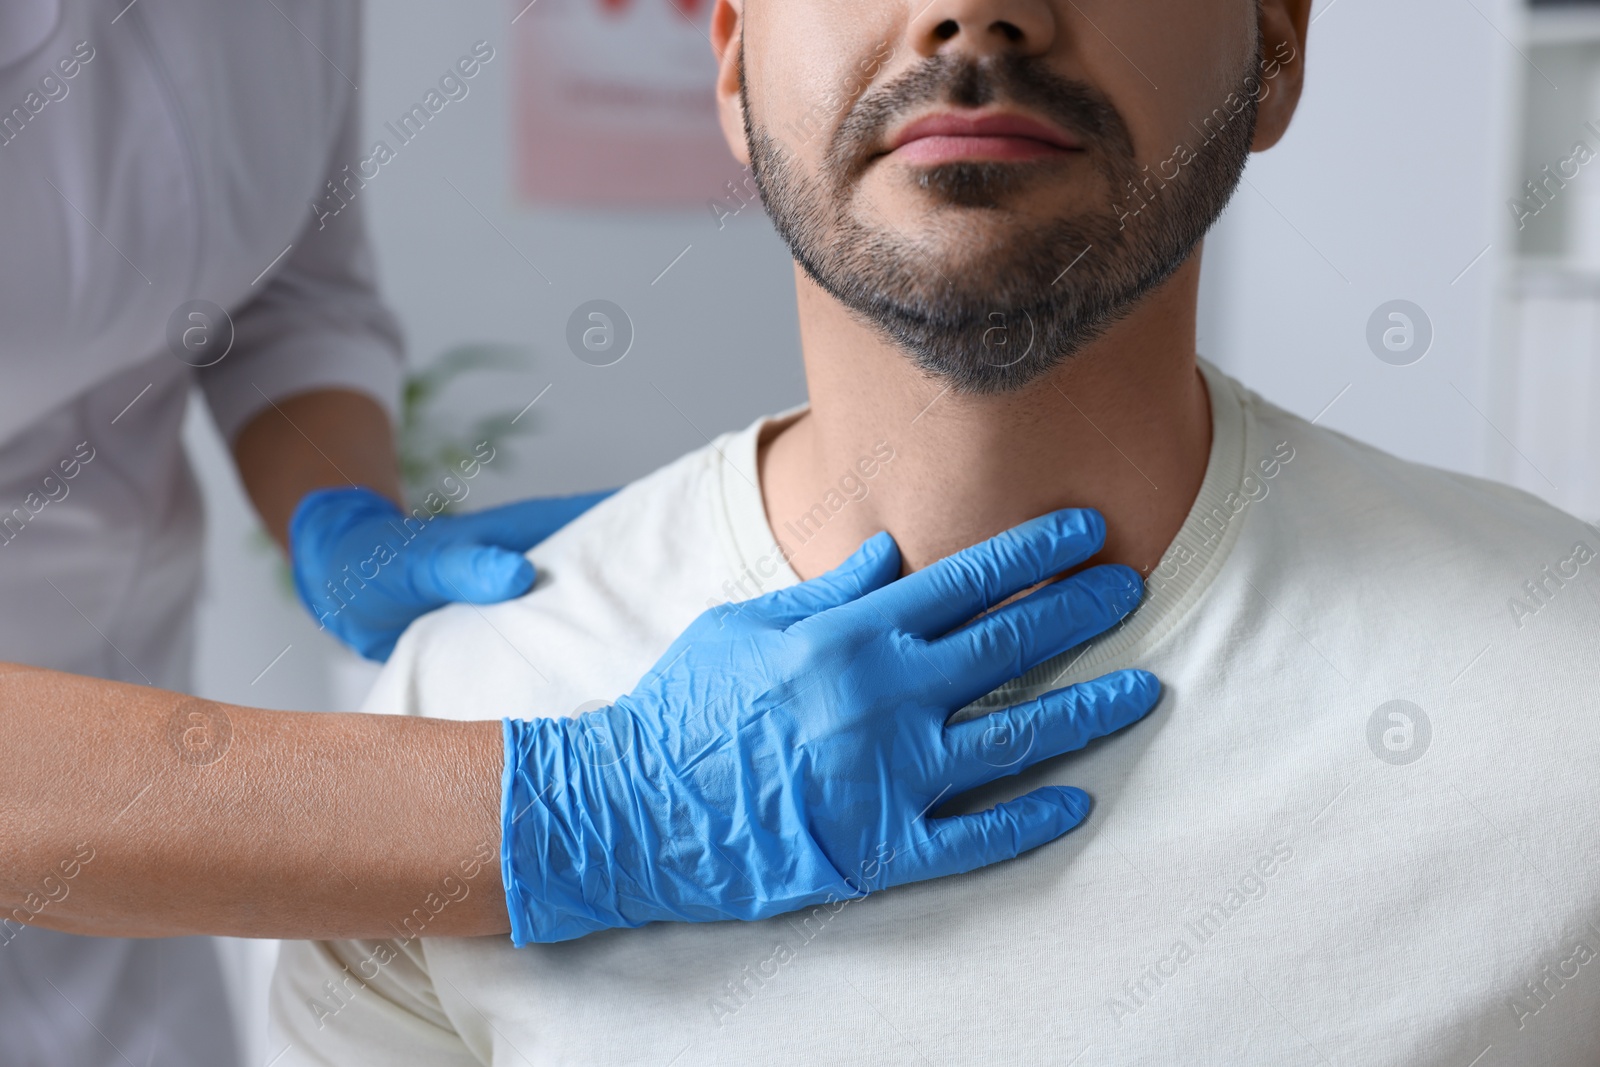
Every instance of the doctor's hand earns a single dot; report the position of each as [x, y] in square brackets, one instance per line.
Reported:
[787, 751]
[365, 569]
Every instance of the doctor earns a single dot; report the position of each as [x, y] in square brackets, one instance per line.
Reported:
[159, 160]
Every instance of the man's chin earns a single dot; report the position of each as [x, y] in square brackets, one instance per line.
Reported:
[980, 240]
[983, 253]
[962, 283]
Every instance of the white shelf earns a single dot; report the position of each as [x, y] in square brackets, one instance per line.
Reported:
[1578, 24]
[1554, 277]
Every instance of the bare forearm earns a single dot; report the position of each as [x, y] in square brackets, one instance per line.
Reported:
[317, 440]
[131, 811]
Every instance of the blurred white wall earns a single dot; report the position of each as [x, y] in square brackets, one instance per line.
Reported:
[1387, 186]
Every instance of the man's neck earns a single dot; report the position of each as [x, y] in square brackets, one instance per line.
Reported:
[1124, 426]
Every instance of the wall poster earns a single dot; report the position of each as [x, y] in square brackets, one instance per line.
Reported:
[615, 104]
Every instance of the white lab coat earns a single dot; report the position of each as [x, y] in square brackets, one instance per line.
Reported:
[152, 154]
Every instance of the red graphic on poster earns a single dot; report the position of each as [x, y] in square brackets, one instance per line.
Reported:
[616, 104]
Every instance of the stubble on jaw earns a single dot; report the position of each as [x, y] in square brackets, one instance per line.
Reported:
[1037, 295]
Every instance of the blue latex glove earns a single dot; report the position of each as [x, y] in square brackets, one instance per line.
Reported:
[786, 751]
[365, 569]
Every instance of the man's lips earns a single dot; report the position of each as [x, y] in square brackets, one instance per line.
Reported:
[950, 136]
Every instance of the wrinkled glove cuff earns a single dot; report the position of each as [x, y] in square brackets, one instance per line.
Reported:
[557, 886]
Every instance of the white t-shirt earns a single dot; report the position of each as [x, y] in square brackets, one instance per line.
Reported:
[1283, 866]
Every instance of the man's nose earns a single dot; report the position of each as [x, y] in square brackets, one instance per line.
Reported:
[979, 28]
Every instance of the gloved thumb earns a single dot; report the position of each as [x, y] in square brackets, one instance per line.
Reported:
[475, 574]
[526, 523]
[872, 566]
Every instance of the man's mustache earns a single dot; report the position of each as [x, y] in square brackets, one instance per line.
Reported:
[1077, 107]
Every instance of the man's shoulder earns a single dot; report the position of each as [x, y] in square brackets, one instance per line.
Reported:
[1385, 556]
[1345, 484]
[613, 588]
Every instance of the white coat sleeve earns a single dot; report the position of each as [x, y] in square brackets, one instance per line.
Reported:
[319, 322]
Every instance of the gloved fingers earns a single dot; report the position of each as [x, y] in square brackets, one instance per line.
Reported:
[961, 587]
[1012, 739]
[963, 843]
[473, 573]
[1011, 640]
[522, 525]
[872, 566]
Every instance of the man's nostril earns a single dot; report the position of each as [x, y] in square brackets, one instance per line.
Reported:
[950, 28]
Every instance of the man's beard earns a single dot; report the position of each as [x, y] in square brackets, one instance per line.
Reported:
[1023, 307]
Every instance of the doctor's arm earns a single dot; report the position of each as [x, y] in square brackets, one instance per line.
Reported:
[307, 395]
[133, 812]
[784, 752]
